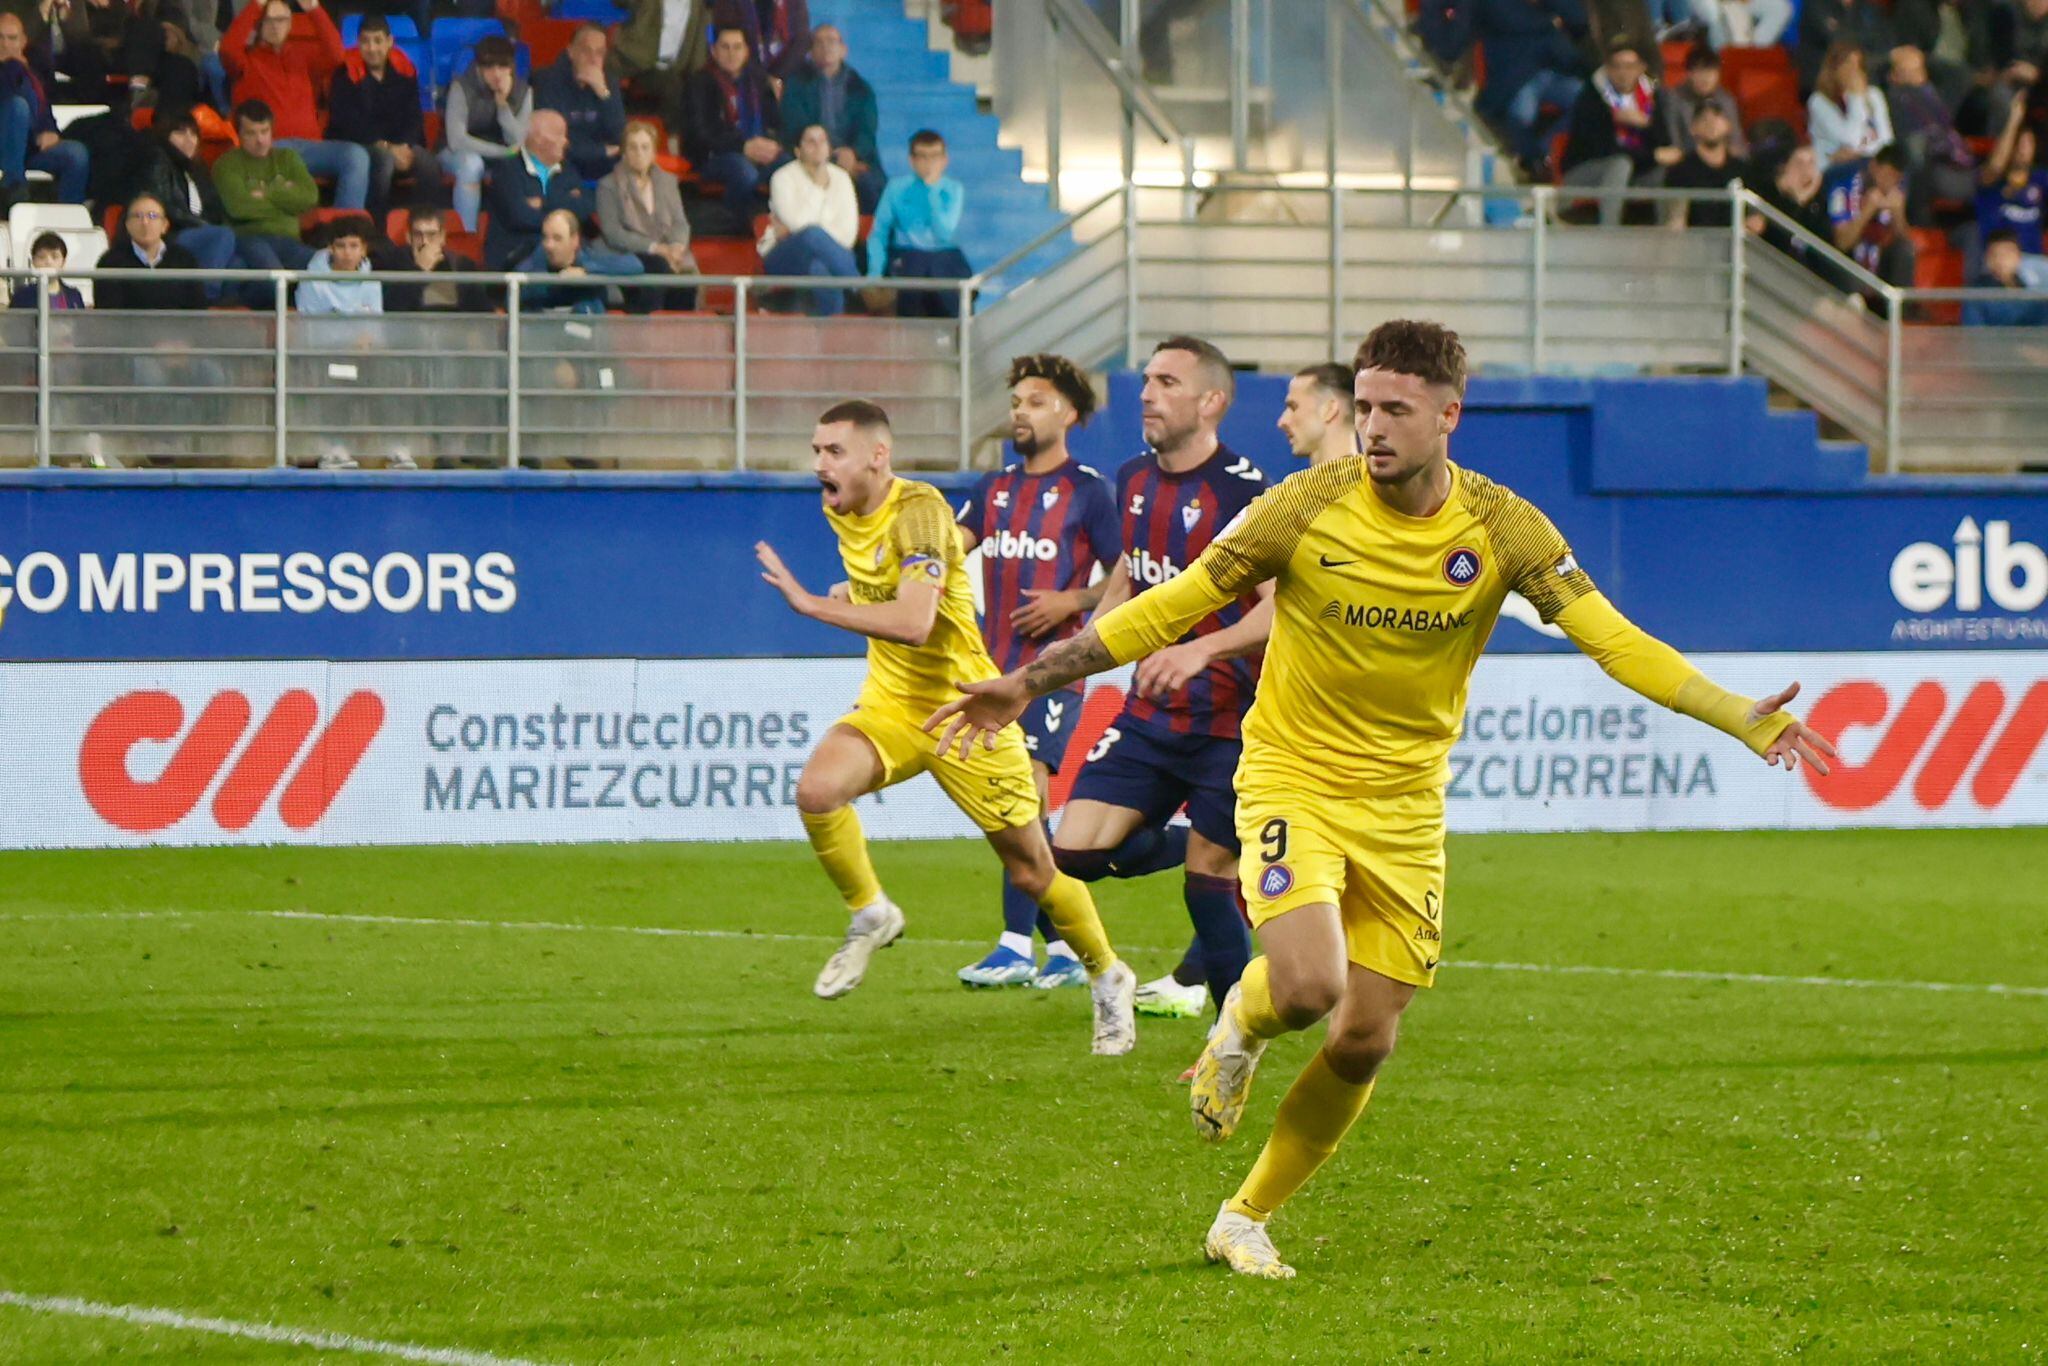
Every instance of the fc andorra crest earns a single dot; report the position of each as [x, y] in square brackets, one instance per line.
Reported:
[1277, 881]
[1461, 566]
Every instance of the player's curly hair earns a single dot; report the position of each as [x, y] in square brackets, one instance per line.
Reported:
[1429, 351]
[1063, 375]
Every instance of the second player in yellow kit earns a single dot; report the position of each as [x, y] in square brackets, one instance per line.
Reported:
[1391, 569]
[906, 591]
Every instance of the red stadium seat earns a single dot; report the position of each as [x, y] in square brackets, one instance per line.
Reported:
[1764, 85]
[1937, 265]
[1675, 55]
[723, 256]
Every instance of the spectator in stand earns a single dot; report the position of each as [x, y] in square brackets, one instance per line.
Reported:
[828, 92]
[374, 102]
[264, 187]
[1963, 40]
[1938, 162]
[526, 188]
[142, 247]
[148, 42]
[916, 232]
[1701, 86]
[179, 177]
[426, 253]
[1654, 19]
[2002, 271]
[813, 222]
[1794, 190]
[661, 42]
[732, 122]
[778, 31]
[29, 140]
[1868, 211]
[288, 76]
[347, 253]
[1616, 138]
[1846, 116]
[640, 212]
[1742, 23]
[48, 252]
[1532, 60]
[489, 111]
[1711, 165]
[2013, 192]
[1826, 24]
[577, 88]
[561, 254]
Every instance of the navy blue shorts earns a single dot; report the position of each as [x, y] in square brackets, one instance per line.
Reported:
[1144, 768]
[1048, 724]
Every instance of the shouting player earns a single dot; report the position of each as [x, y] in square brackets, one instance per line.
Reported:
[1044, 525]
[906, 590]
[1176, 740]
[1391, 570]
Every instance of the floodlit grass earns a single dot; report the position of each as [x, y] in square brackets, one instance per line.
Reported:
[587, 1145]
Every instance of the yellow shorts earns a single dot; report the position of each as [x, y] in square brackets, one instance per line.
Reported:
[1378, 860]
[994, 787]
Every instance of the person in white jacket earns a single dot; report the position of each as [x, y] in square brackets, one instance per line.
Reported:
[814, 221]
[1847, 117]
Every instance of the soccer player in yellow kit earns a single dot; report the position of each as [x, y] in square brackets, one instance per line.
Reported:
[906, 590]
[1392, 569]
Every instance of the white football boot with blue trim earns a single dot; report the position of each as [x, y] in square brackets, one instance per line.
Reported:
[1004, 967]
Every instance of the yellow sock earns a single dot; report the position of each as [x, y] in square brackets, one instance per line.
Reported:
[1314, 1116]
[1072, 911]
[837, 840]
[1255, 1013]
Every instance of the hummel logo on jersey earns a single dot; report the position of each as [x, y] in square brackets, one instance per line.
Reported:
[1191, 514]
[1245, 469]
[1002, 499]
[1137, 504]
[1567, 567]
[1048, 498]
[1054, 710]
[1326, 562]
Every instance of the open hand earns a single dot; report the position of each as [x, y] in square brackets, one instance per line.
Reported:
[1169, 670]
[1799, 740]
[983, 710]
[1043, 610]
[777, 574]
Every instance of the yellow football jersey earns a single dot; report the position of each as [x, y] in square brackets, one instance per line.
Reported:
[1380, 618]
[912, 538]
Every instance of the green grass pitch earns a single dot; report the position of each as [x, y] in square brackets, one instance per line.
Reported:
[579, 1145]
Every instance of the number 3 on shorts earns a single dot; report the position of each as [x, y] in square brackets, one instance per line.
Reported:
[1273, 840]
[1109, 737]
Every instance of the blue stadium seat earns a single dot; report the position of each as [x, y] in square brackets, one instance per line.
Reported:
[422, 57]
[453, 39]
[590, 11]
[402, 26]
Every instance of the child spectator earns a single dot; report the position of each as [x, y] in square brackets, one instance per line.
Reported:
[47, 252]
[347, 253]
[489, 109]
[2002, 271]
[916, 231]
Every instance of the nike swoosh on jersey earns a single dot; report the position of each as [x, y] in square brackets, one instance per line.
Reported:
[1329, 563]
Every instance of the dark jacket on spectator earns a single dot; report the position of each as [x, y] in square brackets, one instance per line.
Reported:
[594, 123]
[803, 105]
[66, 297]
[1592, 133]
[794, 31]
[143, 290]
[1523, 37]
[1863, 22]
[16, 79]
[363, 110]
[1987, 29]
[171, 178]
[706, 119]
[514, 199]
[407, 292]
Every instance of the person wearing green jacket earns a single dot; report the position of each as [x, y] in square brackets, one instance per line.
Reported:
[661, 42]
[264, 189]
[828, 92]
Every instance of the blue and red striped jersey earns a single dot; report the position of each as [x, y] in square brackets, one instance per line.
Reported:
[1168, 520]
[1037, 531]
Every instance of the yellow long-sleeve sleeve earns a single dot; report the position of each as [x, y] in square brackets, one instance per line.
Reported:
[1159, 616]
[1636, 659]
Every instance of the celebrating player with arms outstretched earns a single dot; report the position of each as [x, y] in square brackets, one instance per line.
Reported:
[1391, 572]
[1044, 525]
[907, 592]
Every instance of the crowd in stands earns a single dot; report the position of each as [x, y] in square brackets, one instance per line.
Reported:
[1902, 132]
[261, 139]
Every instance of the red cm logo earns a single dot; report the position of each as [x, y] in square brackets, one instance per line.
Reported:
[158, 717]
[1857, 787]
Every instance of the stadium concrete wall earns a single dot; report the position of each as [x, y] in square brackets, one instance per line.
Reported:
[202, 658]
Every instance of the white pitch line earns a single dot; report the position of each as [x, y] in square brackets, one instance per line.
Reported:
[147, 1317]
[678, 932]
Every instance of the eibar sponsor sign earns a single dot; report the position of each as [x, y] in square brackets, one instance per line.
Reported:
[585, 750]
[1985, 586]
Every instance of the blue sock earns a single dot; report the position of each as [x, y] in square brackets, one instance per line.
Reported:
[1226, 946]
[1191, 972]
[1021, 914]
[1151, 850]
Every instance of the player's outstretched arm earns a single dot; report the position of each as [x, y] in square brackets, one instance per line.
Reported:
[985, 708]
[1636, 659]
[1164, 671]
[907, 619]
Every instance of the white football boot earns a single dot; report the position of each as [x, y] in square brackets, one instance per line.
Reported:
[1116, 1022]
[873, 927]
[1242, 1244]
